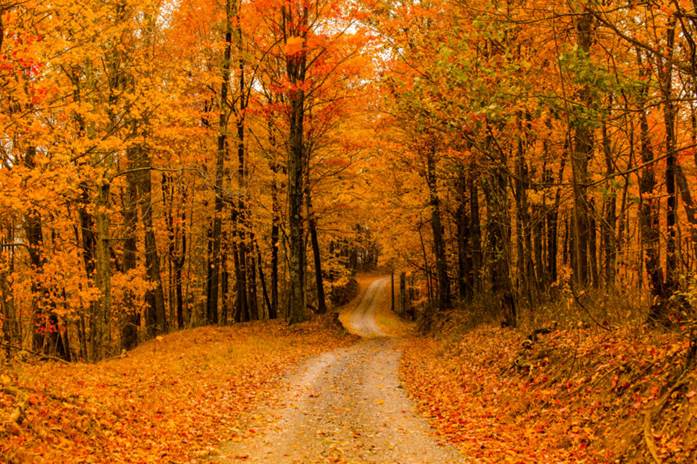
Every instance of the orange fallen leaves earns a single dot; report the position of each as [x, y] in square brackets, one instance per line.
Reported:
[574, 396]
[170, 400]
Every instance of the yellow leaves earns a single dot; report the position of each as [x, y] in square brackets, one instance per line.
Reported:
[294, 46]
[129, 289]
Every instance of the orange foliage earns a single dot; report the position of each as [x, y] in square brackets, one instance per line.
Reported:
[569, 396]
[171, 399]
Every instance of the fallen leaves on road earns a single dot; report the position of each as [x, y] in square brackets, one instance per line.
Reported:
[170, 400]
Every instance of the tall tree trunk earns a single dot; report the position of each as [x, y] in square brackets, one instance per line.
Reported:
[275, 243]
[464, 253]
[523, 234]
[444, 298]
[176, 236]
[247, 307]
[648, 215]
[687, 200]
[553, 229]
[402, 294]
[262, 277]
[659, 310]
[475, 236]
[178, 282]
[224, 288]
[609, 237]
[155, 312]
[296, 66]
[499, 238]
[131, 323]
[88, 242]
[669, 113]
[316, 252]
[295, 217]
[252, 298]
[241, 306]
[100, 326]
[581, 156]
[215, 235]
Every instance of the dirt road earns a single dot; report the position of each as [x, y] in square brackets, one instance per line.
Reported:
[347, 406]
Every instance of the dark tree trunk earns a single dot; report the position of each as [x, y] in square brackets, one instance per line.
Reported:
[179, 292]
[499, 239]
[581, 156]
[241, 306]
[648, 214]
[538, 237]
[35, 243]
[609, 238]
[247, 307]
[475, 237]
[176, 235]
[669, 113]
[224, 289]
[262, 278]
[316, 252]
[444, 298]
[687, 200]
[659, 310]
[252, 298]
[593, 244]
[217, 225]
[131, 322]
[402, 294]
[523, 234]
[553, 230]
[464, 253]
[88, 241]
[275, 236]
[11, 327]
[296, 66]
[155, 313]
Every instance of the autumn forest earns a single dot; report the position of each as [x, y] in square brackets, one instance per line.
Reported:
[381, 231]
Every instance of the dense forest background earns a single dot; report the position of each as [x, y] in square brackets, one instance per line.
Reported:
[169, 164]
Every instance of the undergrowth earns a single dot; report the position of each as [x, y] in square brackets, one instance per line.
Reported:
[566, 391]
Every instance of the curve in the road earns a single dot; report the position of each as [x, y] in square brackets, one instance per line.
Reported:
[347, 406]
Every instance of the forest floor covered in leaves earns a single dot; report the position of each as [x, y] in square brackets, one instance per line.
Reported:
[266, 392]
[572, 395]
[170, 400]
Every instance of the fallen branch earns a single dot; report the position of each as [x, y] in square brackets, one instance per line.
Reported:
[648, 437]
[578, 301]
[534, 336]
[656, 410]
[42, 356]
